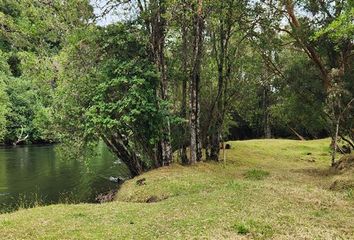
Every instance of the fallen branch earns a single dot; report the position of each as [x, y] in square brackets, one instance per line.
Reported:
[347, 140]
[20, 138]
[297, 134]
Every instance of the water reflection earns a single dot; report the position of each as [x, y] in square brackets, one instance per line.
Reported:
[33, 174]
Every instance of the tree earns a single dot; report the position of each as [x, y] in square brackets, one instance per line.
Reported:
[153, 14]
[195, 142]
[337, 49]
[228, 28]
[32, 33]
[180, 24]
[108, 91]
[4, 100]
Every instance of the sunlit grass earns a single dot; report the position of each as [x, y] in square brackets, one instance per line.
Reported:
[278, 189]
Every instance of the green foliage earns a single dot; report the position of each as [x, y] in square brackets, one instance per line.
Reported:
[39, 26]
[241, 228]
[256, 229]
[4, 101]
[21, 98]
[42, 123]
[31, 35]
[340, 29]
[301, 102]
[113, 91]
[81, 80]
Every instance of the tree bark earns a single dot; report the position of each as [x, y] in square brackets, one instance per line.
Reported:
[195, 143]
[157, 38]
[266, 120]
[121, 150]
[335, 141]
[221, 50]
[183, 150]
[216, 128]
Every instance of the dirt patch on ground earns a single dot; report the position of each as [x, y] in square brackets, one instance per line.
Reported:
[316, 172]
[141, 182]
[342, 185]
[346, 162]
[154, 199]
[107, 197]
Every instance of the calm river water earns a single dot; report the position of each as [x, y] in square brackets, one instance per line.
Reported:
[30, 174]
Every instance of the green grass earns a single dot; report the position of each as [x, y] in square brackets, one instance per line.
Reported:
[256, 174]
[241, 229]
[266, 189]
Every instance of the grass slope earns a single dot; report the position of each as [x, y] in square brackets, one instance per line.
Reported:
[267, 189]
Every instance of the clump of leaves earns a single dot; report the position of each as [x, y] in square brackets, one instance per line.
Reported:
[256, 174]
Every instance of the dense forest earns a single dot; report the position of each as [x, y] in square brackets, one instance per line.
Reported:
[171, 80]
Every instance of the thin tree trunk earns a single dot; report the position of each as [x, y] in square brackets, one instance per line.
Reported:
[183, 151]
[195, 143]
[266, 122]
[335, 147]
[199, 135]
[215, 128]
[193, 124]
[166, 140]
[224, 152]
[221, 50]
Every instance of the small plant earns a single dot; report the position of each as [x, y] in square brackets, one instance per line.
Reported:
[350, 193]
[241, 229]
[234, 185]
[320, 213]
[256, 174]
[254, 228]
[31, 200]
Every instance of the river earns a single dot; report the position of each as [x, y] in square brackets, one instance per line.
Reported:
[31, 175]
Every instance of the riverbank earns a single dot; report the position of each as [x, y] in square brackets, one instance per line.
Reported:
[281, 189]
[42, 175]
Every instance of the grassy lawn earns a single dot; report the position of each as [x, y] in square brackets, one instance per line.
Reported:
[267, 189]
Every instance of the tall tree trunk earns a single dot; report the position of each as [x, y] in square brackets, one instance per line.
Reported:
[183, 150]
[158, 25]
[195, 143]
[199, 134]
[215, 137]
[221, 59]
[193, 125]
